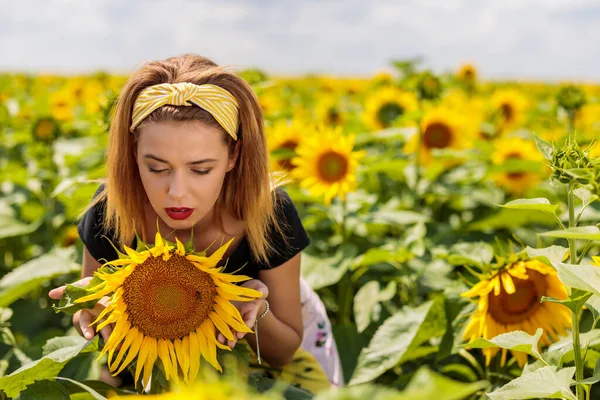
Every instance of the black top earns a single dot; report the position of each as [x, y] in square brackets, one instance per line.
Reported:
[97, 242]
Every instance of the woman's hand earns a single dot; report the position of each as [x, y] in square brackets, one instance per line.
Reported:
[249, 310]
[82, 319]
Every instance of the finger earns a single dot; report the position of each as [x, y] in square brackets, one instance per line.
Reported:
[221, 338]
[231, 343]
[85, 319]
[106, 331]
[57, 293]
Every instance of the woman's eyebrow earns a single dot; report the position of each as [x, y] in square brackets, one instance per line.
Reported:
[205, 160]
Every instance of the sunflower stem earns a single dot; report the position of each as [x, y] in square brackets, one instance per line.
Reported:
[575, 315]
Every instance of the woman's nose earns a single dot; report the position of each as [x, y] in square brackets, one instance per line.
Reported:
[177, 186]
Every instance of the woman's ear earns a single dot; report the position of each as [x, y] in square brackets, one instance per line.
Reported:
[234, 156]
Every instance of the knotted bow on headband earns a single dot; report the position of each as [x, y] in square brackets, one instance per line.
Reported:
[217, 101]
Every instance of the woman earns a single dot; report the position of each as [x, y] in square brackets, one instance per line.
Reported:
[187, 149]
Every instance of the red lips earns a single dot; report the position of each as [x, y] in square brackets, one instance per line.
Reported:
[179, 213]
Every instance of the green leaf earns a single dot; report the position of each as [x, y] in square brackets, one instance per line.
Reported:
[508, 218]
[515, 340]
[46, 389]
[10, 226]
[399, 217]
[545, 382]
[5, 314]
[580, 232]
[34, 273]
[359, 392]
[365, 300]
[538, 204]
[544, 147]
[427, 385]
[389, 292]
[321, 272]
[47, 367]
[574, 302]
[595, 376]
[476, 254]
[594, 303]
[83, 386]
[402, 332]
[381, 255]
[551, 256]
[583, 277]
[60, 342]
[67, 303]
[584, 194]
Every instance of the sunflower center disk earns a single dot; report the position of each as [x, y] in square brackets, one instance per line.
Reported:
[515, 156]
[507, 111]
[168, 299]
[286, 162]
[332, 166]
[388, 113]
[437, 135]
[519, 306]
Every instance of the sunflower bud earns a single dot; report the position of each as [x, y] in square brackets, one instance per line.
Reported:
[429, 86]
[571, 98]
[568, 159]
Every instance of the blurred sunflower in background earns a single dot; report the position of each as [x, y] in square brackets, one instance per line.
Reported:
[509, 107]
[329, 111]
[283, 138]
[467, 73]
[441, 129]
[587, 120]
[62, 104]
[510, 300]
[167, 303]
[326, 164]
[385, 106]
[524, 157]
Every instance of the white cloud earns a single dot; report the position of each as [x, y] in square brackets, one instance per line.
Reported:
[505, 38]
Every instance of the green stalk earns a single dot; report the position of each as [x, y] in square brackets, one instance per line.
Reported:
[575, 315]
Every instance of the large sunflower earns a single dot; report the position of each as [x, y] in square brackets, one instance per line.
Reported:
[509, 106]
[510, 300]
[326, 164]
[441, 129]
[511, 149]
[166, 303]
[385, 106]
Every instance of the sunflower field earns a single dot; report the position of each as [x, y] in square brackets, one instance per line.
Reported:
[454, 229]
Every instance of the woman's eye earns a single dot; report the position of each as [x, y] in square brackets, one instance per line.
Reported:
[202, 172]
[156, 171]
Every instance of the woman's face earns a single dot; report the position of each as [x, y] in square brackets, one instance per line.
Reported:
[182, 166]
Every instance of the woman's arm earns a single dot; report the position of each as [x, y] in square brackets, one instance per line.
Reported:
[280, 331]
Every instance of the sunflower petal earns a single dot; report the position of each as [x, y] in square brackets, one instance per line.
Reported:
[180, 248]
[221, 325]
[133, 351]
[195, 356]
[230, 319]
[507, 282]
[165, 358]
[144, 351]
[150, 360]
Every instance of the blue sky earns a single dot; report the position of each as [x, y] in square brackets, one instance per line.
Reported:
[540, 39]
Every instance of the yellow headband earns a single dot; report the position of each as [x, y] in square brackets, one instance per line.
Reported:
[217, 101]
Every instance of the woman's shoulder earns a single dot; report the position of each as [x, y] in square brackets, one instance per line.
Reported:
[96, 238]
[290, 237]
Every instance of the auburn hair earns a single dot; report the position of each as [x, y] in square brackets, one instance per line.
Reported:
[247, 190]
